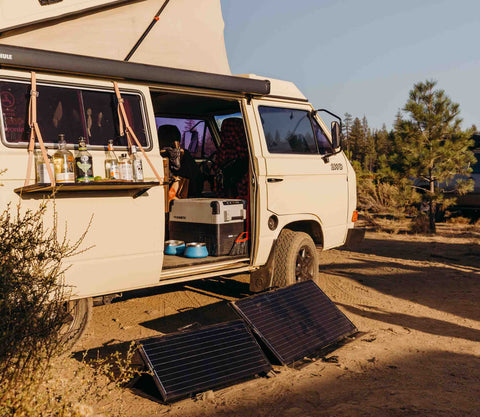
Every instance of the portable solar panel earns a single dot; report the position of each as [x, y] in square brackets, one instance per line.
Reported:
[295, 321]
[198, 360]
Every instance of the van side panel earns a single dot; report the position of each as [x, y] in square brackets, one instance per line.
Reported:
[125, 238]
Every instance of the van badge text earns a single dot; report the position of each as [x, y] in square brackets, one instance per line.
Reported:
[336, 167]
[6, 56]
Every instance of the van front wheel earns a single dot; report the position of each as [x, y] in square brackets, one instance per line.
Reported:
[296, 259]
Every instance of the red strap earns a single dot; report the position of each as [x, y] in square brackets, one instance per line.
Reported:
[243, 237]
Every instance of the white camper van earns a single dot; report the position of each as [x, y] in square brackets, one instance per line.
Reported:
[241, 169]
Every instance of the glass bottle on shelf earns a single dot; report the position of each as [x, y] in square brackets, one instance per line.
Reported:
[137, 165]
[112, 171]
[126, 172]
[64, 163]
[41, 171]
[83, 163]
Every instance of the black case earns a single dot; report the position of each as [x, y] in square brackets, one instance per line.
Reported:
[219, 238]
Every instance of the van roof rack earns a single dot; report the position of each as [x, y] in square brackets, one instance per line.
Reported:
[59, 62]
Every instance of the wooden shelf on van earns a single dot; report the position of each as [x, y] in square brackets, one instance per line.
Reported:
[137, 188]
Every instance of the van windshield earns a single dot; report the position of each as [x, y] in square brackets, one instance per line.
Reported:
[196, 137]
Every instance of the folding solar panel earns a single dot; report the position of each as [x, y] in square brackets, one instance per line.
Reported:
[295, 321]
[198, 360]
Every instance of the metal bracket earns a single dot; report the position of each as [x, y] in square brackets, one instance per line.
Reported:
[48, 2]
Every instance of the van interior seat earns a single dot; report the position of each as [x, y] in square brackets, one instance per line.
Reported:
[168, 135]
[186, 167]
[232, 159]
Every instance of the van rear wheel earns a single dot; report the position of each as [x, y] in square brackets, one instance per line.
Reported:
[79, 315]
[296, 259]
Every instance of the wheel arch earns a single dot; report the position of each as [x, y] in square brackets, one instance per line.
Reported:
[310, 227]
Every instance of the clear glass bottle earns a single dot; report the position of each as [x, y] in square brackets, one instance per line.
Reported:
[112, 171]
[63, 162]
[137, 165]
[41, 171]
[126, 172]
[83, 163]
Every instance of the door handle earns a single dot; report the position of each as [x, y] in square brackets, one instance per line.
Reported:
[274, 179]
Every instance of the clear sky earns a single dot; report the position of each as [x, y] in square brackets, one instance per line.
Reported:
[360, 57]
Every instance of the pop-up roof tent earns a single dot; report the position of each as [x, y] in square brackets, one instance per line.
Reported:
[187, 34]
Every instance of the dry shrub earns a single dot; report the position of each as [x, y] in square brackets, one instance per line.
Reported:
[378, 198]
[385, 205]
[37, 379]
[459, 220]
[32, 305]
[386, 198]
[73, 388]
[420, 224]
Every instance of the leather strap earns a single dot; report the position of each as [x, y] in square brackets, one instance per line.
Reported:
[124, 127]
[35, 133]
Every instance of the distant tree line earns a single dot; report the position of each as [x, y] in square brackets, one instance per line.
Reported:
[418, 167]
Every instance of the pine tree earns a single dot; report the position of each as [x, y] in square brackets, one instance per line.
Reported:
[369, 153]
[432, 148]
[356, 140]
[347, 127]
[382, 141]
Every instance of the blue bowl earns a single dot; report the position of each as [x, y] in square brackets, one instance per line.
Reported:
[174, 247]
[195, 250]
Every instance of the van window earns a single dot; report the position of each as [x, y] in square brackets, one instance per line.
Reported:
[70, 111]
[195, 135]
[324, 145]
[288, 130]
[219, 119]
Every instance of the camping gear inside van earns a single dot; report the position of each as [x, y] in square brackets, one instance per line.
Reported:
[174, 247]
[196, 250]
[213, 221]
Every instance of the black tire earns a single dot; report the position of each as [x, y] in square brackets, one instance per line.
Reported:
[296, 259]
[79, 315]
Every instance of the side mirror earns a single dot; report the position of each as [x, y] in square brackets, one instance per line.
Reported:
[335, 129]
[336, 135]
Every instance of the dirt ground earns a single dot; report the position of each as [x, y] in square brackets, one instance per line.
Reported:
[414, 299]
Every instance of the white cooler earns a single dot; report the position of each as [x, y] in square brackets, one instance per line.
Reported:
[214, 221]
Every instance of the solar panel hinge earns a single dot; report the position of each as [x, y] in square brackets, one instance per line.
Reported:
[48, 2]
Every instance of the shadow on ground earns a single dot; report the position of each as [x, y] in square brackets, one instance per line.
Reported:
[452, 275]
[219, 287]
[455, 254]
[436, 383]
[433, 384]
[423, 324]
[203, 316]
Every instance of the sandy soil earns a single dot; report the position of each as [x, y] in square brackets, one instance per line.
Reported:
[414, 299]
